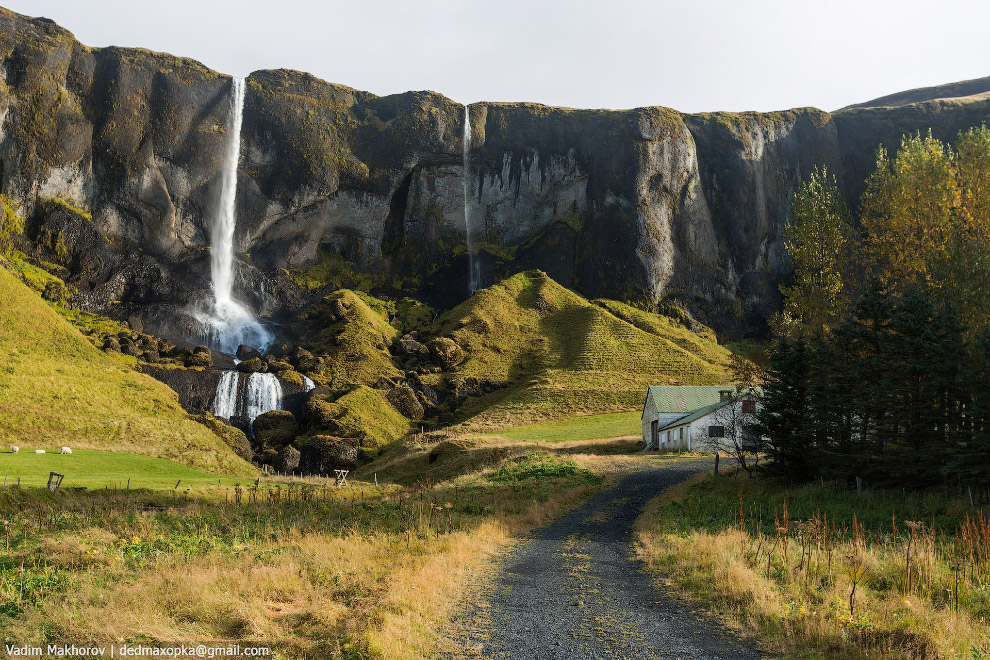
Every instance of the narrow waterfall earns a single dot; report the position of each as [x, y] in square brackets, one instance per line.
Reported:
[229, 324]
[474, 273]
[308, 385]
[225, 401]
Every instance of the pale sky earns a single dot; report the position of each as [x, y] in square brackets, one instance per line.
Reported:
[690, 55]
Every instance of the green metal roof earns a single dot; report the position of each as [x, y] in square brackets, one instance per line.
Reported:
[687, 419]
[686, 398]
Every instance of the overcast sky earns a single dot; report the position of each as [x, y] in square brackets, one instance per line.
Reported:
[690, 55]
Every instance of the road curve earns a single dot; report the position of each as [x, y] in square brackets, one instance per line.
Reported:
[576, 591]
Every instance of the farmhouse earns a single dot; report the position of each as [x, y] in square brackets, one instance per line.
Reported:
[696, 418]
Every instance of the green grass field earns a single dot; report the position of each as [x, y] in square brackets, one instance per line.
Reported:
[96, 469]
[585, 427]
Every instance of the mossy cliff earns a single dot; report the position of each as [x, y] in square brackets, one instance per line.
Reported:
[642, 204]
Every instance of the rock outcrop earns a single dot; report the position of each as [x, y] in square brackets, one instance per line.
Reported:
[338, 186]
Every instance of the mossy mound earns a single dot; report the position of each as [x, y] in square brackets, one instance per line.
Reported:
[550, 352]
[353, 336]
[361, 412]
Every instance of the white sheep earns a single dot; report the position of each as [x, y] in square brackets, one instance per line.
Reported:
[66, 450]
[14, 449]
[39, 451]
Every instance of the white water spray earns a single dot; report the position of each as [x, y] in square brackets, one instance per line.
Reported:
[474, 274]
[264, 393]
[225, 401]
[229, 323]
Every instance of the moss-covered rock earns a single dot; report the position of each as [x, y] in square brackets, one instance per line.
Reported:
[287, 459]
[446, 352]
[252, 366]
[275, 428]
[233, 437]
[404, 400]
[322, 454]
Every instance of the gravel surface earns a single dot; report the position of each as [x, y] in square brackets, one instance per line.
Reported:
[576, 591]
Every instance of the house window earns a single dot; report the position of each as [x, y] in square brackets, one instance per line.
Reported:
[749, 406]
[716, 431]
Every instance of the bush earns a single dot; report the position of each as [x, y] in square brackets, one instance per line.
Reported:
[536, 465]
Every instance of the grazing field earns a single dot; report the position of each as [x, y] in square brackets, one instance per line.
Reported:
[586, 427]
[819, 572]
[312, 572]
[87, 468]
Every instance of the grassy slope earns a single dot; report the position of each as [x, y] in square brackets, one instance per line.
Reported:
[57, 389]
[561, 354]
[583, 427]
[96, 469]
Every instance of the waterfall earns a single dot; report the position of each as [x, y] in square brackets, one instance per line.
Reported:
[229, 324]
[225, 401]
[262, 393]
[474, 274]
[308, 385]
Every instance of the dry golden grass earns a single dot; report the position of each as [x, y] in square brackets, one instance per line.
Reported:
[793, 587]
[372, 575]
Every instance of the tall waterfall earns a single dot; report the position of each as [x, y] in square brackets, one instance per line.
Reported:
[474, 273]
[229, 324]
[262, 393]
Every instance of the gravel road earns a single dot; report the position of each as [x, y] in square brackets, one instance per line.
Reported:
[576, 591]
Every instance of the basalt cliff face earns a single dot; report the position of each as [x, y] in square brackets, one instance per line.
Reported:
[337, 184]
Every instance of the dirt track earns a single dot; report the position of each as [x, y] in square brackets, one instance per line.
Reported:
[575, 590]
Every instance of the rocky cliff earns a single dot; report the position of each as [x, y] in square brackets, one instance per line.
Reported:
[340, 187]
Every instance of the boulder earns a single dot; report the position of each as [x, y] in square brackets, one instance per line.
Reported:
[322, 454]
[404, 400]
[287, 459]
[201, 349]
[196, 359]
[151, 357]
[252, 366]
[128, 348]
[231, 436]
[319, 412]
[303, 360]
[408, 345]
[275, 428]
[111, 344]
[277, 366]
[245, 353]
[446, 352]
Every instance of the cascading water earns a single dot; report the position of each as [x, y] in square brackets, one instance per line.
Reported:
[308, 384]
[264, 393]
[229, 324]
[225, 401]
[474, 273]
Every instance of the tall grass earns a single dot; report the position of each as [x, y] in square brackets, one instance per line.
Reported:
[821, 572]
[313, 572]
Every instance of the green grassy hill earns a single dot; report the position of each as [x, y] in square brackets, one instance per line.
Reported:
[559, 354]
[58, 389]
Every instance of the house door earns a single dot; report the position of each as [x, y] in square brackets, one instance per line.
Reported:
[654, 434]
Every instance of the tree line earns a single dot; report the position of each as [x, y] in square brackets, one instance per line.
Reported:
[880, 365]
